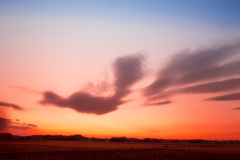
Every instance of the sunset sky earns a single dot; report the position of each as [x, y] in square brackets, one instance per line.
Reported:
[134, 68]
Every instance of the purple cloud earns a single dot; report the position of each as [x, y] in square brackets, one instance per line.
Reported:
[11, 105]
[8, 123]
[160, 103]
[237, 108]
[32, 125]
[3, 123]
[227, 97]
[19, 127]
[127, 71]
[205, 70]
[82, 102]
[25, 89]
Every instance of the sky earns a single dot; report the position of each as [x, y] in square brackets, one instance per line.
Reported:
[156, 69]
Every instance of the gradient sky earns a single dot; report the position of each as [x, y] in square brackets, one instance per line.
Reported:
[163, 69]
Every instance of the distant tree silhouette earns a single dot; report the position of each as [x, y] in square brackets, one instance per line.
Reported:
[177, 141]
[196, 141]
[150, 140]
[6, 136]
[61, 137]
[146, 140]
[97, 139]
[118, 139]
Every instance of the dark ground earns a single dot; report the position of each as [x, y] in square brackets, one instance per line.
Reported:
[118, 151]
[131, 154]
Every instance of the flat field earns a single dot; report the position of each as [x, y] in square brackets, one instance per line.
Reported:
[24, 149]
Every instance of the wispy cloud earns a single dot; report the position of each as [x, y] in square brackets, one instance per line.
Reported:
[9, 123]
[237, 108]
[213, 87]
[5, 104]
[3, 123]
[160, 103]
[19, 127]
[127, 71]
[227, 97]
[25, 89]
[204, 70]
[32, 125]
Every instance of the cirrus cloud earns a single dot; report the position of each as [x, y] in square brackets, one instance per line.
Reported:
[227, 97]
[204, 70]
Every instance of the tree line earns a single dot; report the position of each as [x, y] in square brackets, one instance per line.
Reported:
[6, 136]
[77, 137]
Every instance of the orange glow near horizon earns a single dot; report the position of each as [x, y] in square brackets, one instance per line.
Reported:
[187, 118]
[184, 123]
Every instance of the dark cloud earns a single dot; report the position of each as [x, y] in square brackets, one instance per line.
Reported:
[19, 127]
[228, 97]
[3, 123]
[211, 73]
[127, 71]
[205, 70]
[32, 125]
[8, 123]
[16, 123]
[159, 103]
[82, 102]
[213, 87]
[237, 108]
[191, 61]
[11, 105]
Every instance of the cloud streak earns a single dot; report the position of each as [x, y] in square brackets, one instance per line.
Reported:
[237, 108]
[213, 87]
[25, 89]
[204, 70]
[5, 104]
[19, 127]
[127, 71]
[9, 123]
[160, 103]
[3, 123]
[227, 97]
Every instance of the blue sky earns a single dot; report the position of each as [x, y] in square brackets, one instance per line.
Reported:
[222, 12]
